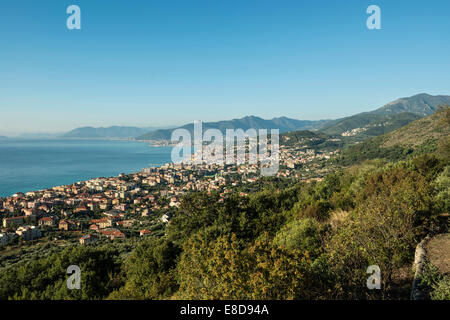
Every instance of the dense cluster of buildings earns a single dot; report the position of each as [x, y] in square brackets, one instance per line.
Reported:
[124, 202]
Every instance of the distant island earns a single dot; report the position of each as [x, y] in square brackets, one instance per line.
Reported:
[105, 133]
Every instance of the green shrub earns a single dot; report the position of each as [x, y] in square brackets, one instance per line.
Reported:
[441, 289]
[301, 235]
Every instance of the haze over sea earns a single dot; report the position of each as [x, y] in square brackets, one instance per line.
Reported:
[28, 165]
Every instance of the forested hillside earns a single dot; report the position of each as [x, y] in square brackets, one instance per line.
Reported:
[368, 124]
[419, 137]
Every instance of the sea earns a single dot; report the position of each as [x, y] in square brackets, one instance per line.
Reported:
[30, 165]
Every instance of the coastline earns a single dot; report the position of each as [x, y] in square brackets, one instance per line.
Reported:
[151, 143]
[69, 170]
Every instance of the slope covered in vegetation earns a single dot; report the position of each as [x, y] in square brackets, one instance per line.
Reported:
[303, 241]
[370, 124]
[421, 136]
[308, 241]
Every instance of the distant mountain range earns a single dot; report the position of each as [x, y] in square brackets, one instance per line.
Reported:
[38, 135]
[387, 118]
[421, 104]
[283, 124]
[107, 133]
[367, 124]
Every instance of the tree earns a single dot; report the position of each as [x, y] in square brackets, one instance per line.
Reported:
[442, 187]
[393, 213]
[45, 279]
[302, 235]
[149, 271]
[225, 269]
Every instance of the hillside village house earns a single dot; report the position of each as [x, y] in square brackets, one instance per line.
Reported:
[126, 223]
[104, 206]
[144, 232]
[28, 232]
[165, 218]
[103, 222]
[67, 225]
[89, 238]
[13, 221]
[80, 209]
[46, 222]
[28, 212]
[121, 207]
[112, 213]
[94, 227]
[145, 212]
[112, 233]
[174, 202]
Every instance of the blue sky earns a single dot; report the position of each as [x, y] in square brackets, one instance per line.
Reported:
[166, 62]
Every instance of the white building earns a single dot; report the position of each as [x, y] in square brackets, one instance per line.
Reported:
[28, 232]
[165, 218]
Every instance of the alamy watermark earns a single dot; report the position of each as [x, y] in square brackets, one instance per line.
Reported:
[208, 147]
[74, 281]
[74, 20]
[373, 22]
[374, 280]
